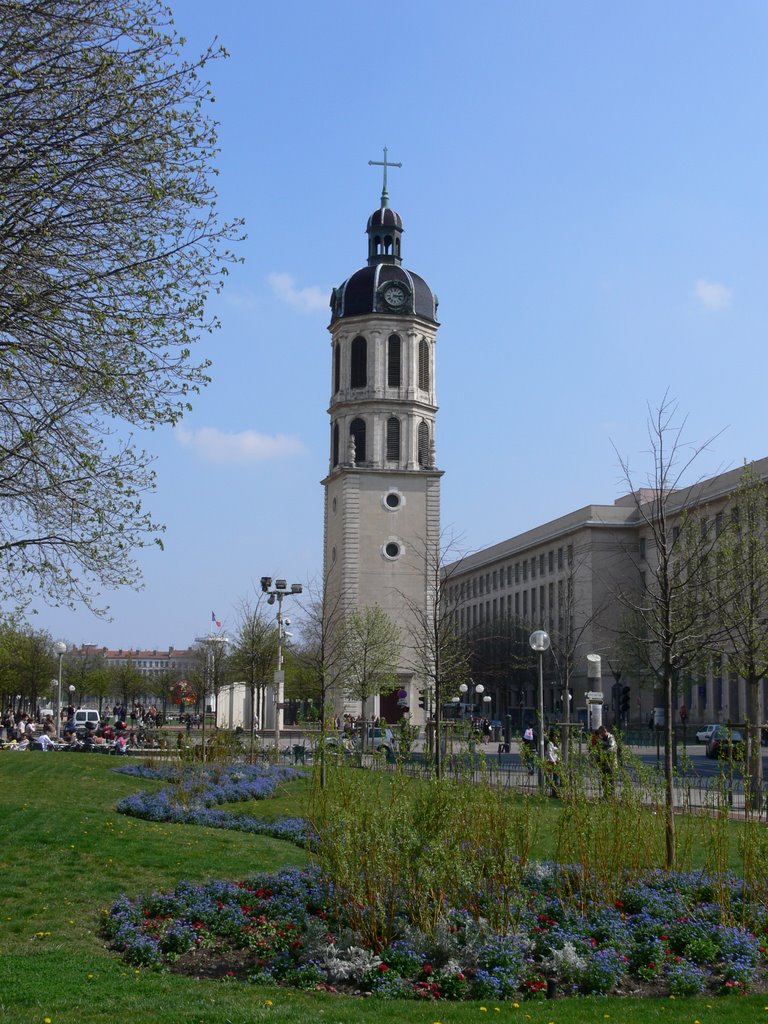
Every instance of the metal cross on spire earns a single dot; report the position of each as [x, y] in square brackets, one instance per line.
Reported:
[385, 164]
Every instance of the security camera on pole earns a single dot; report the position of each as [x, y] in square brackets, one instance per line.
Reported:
[276, 595]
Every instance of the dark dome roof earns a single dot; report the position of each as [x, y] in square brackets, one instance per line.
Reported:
[366, 290]
[362, 293]
[384, 218]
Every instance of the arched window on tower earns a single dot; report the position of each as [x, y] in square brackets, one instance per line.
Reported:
[336, 368]
[335, 443]
[357, 430]
[359, 364]
[423, 444]
[424, 365]
[393, 361]
[393, 439]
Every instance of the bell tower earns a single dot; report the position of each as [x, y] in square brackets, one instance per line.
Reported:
[382, 491]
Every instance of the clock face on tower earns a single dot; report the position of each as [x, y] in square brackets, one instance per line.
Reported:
[394, 295]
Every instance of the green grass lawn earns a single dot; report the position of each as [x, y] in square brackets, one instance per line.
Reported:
[65, 855]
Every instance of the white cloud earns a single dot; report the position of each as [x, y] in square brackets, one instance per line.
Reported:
[308, 300]
[712, 294]
[214, 445]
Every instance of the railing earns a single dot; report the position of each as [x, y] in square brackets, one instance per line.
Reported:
[713, 794]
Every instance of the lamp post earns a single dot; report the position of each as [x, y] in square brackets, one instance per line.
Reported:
[60, 649]
[277, 594]
[539, 641]
[71, 689]
[474, 689]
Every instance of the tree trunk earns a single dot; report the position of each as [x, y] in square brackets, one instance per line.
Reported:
[669, 779]
[754, 793]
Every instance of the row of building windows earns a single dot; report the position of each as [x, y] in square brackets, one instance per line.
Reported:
[535, 606]
[358, 433]
[512, 574]
[358, 363]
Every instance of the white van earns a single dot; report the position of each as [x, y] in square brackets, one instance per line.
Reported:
[85, 717]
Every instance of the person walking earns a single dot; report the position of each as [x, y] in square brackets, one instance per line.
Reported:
[607, 760]
[551, 762]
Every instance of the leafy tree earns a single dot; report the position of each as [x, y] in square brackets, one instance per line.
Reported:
[126, 682]
[669, 623]
[253, 657]
[27, 663]
[87, 671]
[110, 245]
[368, 651]
[743, 606]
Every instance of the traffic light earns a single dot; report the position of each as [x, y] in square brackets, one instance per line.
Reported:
[624, 700]
[422, 698]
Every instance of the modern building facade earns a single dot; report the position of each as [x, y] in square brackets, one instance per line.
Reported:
[564, 577]
[382, 491]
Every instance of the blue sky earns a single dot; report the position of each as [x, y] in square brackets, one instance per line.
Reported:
[585, 187]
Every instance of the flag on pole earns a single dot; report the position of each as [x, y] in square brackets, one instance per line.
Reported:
[215, 620]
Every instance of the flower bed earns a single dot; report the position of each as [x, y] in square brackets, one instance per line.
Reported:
[193, 797]
[666, 935]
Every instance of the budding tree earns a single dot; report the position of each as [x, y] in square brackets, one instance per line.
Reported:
[110, 245]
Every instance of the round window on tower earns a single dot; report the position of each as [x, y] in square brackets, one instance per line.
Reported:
[392, 549]
[392, 500]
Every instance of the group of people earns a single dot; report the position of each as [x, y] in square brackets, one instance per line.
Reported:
[19, 731]
[603, 751]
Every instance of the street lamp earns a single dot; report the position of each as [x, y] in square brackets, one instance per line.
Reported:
[277, 594]
[539, 641]
[71, 689]
[60, 649]
[477, 689]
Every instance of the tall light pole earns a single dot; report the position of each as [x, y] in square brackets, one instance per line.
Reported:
[60, 649]
[539, 641]
[277, 594]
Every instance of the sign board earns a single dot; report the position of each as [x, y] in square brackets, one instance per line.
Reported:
[402, 693]
[594, 696]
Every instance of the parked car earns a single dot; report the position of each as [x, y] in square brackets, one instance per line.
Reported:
[703, 734]
[724, 742]
[376, 739]
[85, 717]
[381, 739]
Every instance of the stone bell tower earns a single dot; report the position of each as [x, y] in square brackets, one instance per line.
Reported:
[382, 491]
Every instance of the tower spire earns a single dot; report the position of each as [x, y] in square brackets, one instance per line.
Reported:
[385, 164]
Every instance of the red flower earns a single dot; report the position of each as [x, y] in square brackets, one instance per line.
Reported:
[383, 967]
[427, 968]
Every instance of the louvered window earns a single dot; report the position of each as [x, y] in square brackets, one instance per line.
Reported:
[393, 438]
[357, 430]
[335, 444]
[423, 444]
[423, 365]
[359, 368]
[393, 361]
[336, 368]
